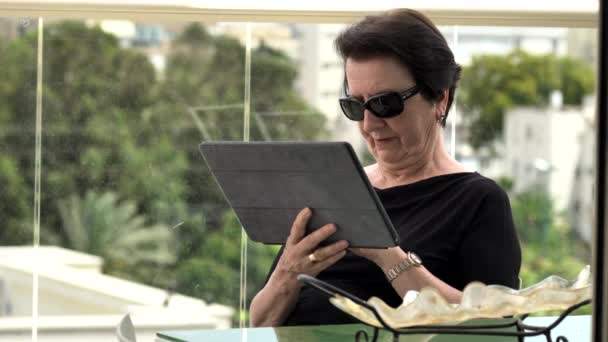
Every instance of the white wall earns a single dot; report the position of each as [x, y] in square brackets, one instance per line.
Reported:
[542, 148]
[565, 131]
[79, 304]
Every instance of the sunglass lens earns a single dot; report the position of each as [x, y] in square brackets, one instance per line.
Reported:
[352, 109]
[386, 105]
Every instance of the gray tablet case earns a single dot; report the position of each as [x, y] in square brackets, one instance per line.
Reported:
[268, 183]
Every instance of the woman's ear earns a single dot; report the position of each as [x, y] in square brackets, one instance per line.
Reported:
[344, 89]
[444, 100]
[442, 104]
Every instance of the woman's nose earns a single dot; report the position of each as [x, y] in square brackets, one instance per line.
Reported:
[371, 122]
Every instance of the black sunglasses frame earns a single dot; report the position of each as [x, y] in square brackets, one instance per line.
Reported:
[348, 101]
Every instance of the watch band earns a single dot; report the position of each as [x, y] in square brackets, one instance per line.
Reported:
[412, 260]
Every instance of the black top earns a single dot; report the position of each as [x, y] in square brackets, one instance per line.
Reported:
[459, 224]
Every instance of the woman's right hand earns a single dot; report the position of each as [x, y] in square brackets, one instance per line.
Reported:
[302, 253]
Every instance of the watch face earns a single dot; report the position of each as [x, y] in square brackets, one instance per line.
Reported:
[415, 258]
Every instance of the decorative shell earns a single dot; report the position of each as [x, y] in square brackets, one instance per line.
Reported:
[478, 301]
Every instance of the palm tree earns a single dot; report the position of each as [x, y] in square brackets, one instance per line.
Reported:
[99, 224]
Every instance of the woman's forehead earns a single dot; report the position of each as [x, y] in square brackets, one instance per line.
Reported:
[376, 75]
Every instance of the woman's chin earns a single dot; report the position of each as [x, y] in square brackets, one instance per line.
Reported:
[388, 156]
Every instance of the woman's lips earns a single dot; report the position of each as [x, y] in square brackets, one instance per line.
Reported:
[383, 141]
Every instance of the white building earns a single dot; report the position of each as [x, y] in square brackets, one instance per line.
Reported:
[321, 77]
[581, 210]
[10, 27]
[76, 302]
[278, 36]
[469, 41]
[152, 40]
[321, 70]
[583, 45]
[541, 150]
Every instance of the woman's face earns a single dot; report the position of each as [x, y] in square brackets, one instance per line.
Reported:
[403, 139]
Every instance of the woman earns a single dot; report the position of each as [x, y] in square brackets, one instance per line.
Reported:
[455, 226]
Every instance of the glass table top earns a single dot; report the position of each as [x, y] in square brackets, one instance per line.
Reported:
[575, 328]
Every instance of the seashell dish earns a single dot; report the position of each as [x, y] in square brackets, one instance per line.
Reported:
[478, 301]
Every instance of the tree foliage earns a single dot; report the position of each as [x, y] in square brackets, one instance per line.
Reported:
[99, 224]
[493, 84]
[225, 265]
[122, 175]
[203, 90]
[533, 213]
[14, 204]
[549, 246]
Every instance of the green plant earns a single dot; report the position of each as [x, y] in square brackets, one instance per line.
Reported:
[101, 225]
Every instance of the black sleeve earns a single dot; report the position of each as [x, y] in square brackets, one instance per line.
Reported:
[489, 251]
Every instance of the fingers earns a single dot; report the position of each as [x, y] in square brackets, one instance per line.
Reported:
[313, 239]
[328, 251]
[298, 228]
[297, 258]
[323, 264]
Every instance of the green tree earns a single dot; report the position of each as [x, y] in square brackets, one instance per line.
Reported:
[202, 91]
[93, 93]
[15, 205]
[220, 256]
[94, 141]
[100, 224]
[533, 214]
[549, 247]
[118, 139]
[493, 84]
[17, 93]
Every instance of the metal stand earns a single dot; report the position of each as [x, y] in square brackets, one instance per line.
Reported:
[522, 330]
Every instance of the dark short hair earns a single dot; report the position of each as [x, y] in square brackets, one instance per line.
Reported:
[414, 40]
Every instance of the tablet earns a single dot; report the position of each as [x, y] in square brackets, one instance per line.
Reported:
[268, 183]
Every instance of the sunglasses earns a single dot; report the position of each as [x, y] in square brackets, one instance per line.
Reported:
[385, 105]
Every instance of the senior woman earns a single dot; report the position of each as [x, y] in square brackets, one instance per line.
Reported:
[455, 226]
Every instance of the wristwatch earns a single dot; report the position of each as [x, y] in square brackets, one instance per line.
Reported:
[412, 260]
